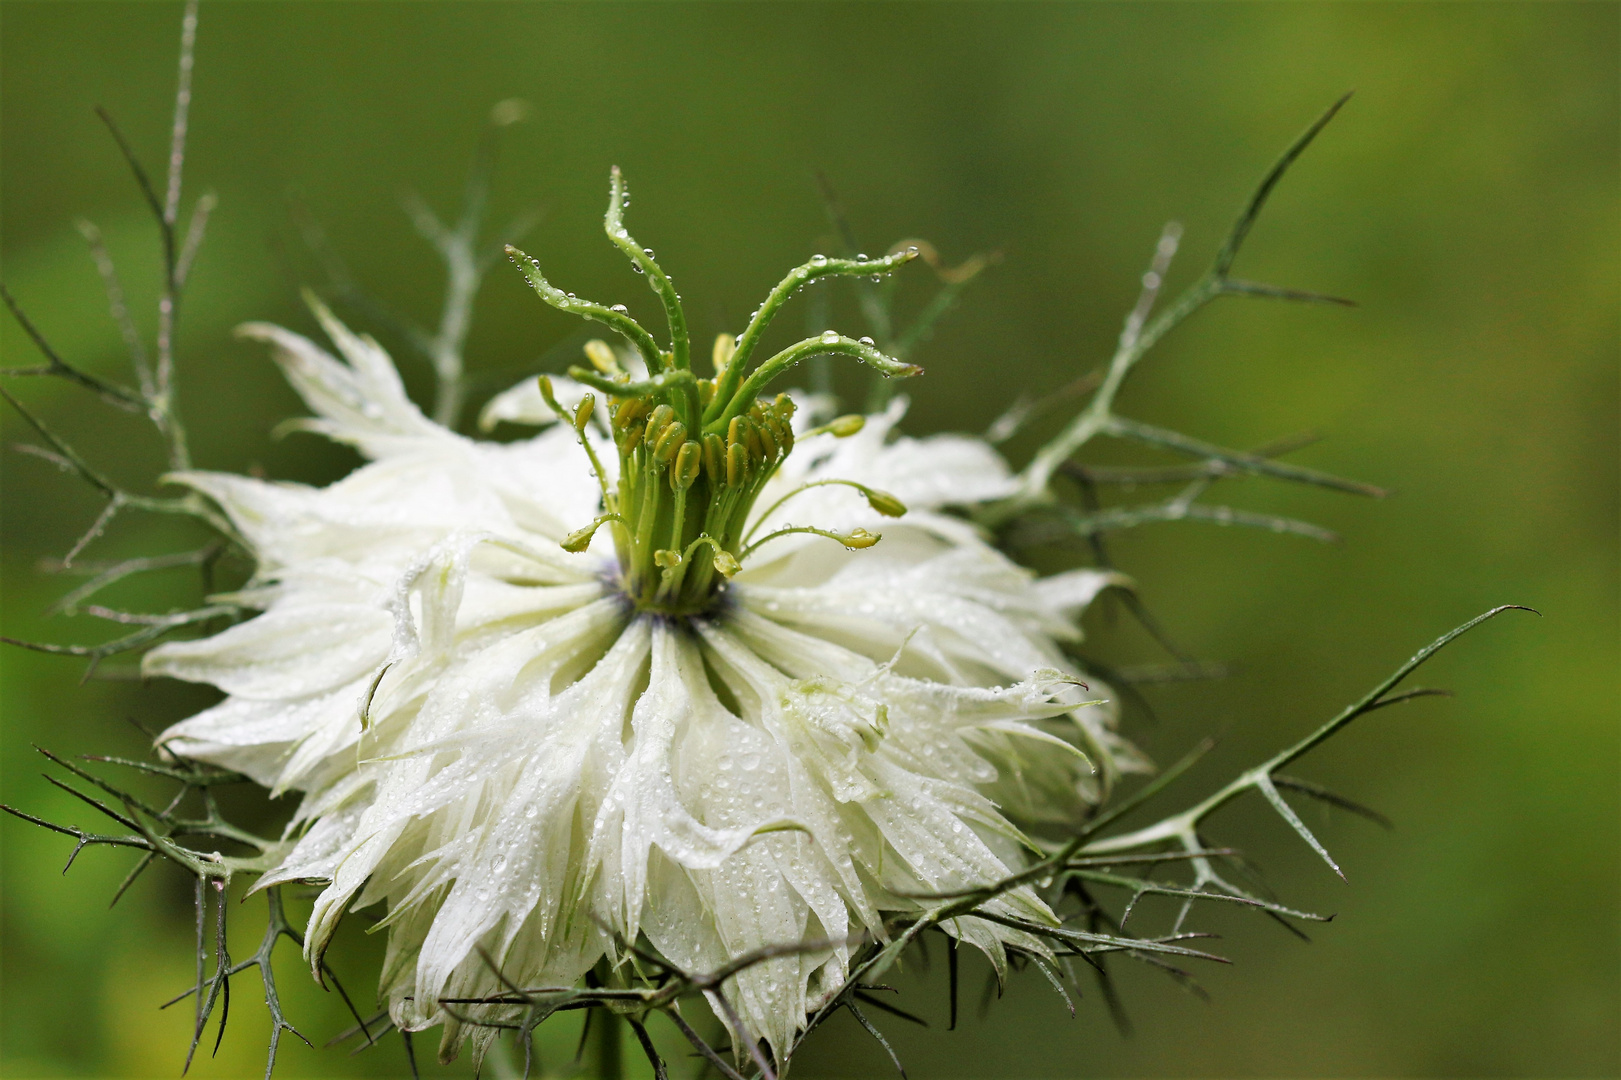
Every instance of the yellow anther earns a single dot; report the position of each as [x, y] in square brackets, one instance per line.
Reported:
[841, 428]
[726, 564]
[667, 558]
[737, 465]
[629, 412]
[687, 462]
[856, 539]
[883, 502]
[734, 432]
[768, 437]
[582, 412]
[580, 539]
[714, 459]
[602, 357]
[658, 422]
[725, 346]
[781, 431]
[549, 395]
[706, 392]
[669, 442]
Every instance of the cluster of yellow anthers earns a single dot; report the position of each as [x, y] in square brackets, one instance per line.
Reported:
[680, 509]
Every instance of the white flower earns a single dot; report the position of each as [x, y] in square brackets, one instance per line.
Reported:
[529, 750]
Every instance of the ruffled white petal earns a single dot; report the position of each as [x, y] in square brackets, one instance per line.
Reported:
[361, 402]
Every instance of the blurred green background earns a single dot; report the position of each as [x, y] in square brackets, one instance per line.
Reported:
[1468, 198]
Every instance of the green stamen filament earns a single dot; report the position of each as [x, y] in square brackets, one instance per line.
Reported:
[881, 501]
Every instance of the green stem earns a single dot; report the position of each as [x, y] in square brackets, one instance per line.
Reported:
[610, 1059]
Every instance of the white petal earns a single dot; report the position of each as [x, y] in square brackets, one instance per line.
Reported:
[362, 402]
[642, 808]
[293, 651]
[1071, 592]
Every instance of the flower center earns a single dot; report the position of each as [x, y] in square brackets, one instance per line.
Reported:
[695, 453]
[683, 495]
[680, 509]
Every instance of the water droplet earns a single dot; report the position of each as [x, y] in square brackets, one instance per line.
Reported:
[818, 260]
[621, 308]
[868, 341]
[751, 762]
[571, 296]
[498, 864]
[636, 267]
[830, 337]
[648, 252]
[862, 257]
[531, 811]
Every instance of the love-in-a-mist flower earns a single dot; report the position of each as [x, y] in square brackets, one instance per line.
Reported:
[649, 676]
